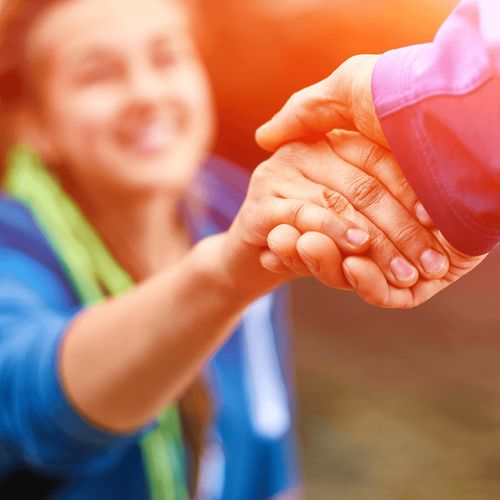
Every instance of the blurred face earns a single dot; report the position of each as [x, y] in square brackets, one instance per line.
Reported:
[121, 98]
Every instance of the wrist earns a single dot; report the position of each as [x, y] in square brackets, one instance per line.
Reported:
[233, 273]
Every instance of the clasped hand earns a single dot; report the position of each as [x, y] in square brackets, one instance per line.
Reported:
[344, 186]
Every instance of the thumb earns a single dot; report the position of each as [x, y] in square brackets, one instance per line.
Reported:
[307, 115]
[338, 102]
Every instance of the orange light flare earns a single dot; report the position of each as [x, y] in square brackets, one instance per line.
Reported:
[258, 53]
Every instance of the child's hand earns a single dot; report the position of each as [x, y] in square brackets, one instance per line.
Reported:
[313, 250]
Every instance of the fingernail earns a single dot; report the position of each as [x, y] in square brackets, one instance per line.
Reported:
[433, 262]
[357, 237]
[349, 276]
[402, 269]
[422, 215]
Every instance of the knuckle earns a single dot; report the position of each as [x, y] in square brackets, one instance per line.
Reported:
[409, 196]
[308, 106]
[264, 178]
[328, 225]
[298, 213]
[262, 172]
[333, 200]
[372, 155]
[299, 109]
[366, 192]
[291, 153]
[409, 234]
[379, 240]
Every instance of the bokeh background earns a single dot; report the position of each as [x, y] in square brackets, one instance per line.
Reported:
[393, 405]
[401, 405]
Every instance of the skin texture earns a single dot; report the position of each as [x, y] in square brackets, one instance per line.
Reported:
[315, 172]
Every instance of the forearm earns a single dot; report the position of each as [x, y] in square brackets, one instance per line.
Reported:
[126, 359]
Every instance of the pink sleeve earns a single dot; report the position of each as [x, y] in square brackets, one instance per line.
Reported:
[439, 105]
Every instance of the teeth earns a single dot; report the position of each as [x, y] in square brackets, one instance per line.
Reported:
[154, 138]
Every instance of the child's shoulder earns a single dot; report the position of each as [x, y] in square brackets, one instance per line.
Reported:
[16, 221]
[20, 233]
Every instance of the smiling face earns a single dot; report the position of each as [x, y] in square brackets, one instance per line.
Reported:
[121, 99]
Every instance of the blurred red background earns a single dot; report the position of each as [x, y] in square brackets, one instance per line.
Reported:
[258, 52]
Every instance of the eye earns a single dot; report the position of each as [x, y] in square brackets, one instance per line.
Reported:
[101, 73]
[164, 57]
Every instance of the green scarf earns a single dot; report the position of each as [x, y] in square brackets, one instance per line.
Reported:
[88, 264]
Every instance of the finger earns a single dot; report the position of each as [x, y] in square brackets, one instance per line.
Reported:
[398, 271]
[331, 200]
[307, 216]
[379, 162]
[272, 263]
[343, 100]
[370, 284]
[323, 259]
[282, 241]
[309, 113]
[268, 205]
[423, 217]
[369, 196]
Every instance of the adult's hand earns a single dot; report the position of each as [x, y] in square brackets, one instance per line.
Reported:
[342, 101]
[364, 273]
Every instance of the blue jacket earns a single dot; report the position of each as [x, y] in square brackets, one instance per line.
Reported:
[252, 454]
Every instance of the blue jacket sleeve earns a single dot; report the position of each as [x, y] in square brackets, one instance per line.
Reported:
[39, 427]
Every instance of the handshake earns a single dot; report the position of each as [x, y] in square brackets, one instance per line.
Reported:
[333, 203]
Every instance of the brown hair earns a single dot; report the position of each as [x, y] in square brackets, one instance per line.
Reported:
[16, 20]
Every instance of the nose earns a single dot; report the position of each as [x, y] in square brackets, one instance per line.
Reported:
[145, 89]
